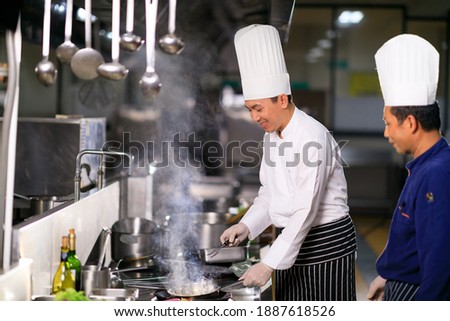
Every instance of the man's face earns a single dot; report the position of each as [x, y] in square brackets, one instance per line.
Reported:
[266, 113]
[397, 134]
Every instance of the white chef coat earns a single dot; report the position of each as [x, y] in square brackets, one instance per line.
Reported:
[296, 192]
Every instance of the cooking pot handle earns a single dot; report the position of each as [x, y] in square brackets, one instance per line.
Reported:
[129, 239]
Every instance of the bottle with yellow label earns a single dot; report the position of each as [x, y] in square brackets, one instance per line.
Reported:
[63, 278]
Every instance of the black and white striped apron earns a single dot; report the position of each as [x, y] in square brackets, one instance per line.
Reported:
[325, 266]
[399, 291]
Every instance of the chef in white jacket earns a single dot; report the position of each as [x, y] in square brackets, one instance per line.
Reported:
[303, 189]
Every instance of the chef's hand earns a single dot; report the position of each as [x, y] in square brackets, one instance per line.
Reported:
[257, 275]
[235, 234]
[376, 289]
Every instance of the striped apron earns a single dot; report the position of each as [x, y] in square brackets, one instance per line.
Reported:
[399, 291]
[325, 266]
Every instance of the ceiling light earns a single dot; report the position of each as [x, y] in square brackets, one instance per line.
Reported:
[324, 43]
[331, 34]
[316, 52]
[59, 8]
[81, 15]
[350, 17]
[310, 59]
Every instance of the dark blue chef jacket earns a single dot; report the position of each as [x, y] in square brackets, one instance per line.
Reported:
[418, 247]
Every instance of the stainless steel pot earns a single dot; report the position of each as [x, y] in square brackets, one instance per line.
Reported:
[133, 238]
[94, 278]
[221, 205]
[210, 226]
[42, 204]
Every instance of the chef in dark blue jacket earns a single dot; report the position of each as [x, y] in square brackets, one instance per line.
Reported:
[415, 264]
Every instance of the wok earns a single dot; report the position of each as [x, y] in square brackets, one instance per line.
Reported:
[193, 289]
[165, 295]
[215, 294]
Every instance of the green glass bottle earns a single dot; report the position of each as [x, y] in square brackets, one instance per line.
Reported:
[63, 278]
[74, 262]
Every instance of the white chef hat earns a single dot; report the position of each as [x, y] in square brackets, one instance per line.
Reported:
[261, 62]
[408, 70]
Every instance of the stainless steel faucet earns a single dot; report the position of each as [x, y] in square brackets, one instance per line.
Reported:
[100, 180]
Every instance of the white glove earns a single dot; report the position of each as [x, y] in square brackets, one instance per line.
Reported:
[235, 234]
[257, 275]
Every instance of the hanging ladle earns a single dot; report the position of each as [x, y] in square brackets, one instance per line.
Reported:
[66, 50]
[150, 83]
[130, 41]
[85, 61]
[114, 70]
[170, 43]
[45, 69]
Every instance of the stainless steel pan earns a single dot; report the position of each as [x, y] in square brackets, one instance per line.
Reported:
[200, 289]
[225, 255]
[213, 293]
[165, 295]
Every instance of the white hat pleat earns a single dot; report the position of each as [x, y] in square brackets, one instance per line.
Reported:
[408, 70]
[261, 62]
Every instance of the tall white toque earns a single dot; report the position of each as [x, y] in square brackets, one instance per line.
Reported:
[408, 70]
[261, 62]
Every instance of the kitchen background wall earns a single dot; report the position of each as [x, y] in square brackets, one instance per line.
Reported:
[331, 67]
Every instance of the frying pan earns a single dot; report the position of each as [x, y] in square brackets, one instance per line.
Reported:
[195, 289]
[166, 295]
[214, 293]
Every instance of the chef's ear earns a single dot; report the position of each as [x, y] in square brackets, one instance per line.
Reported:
[283, 99]
[412, 123]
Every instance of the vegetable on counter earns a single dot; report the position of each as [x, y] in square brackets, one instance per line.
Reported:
[71, 295]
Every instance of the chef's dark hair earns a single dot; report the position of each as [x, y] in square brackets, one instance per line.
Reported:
[275, 99]
[427, 116]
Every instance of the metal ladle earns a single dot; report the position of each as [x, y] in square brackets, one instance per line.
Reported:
[85, 61]
[150, 83]
[130, 41]
[114, 70]
[170, 43]
[66, 50]
[45, 69]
